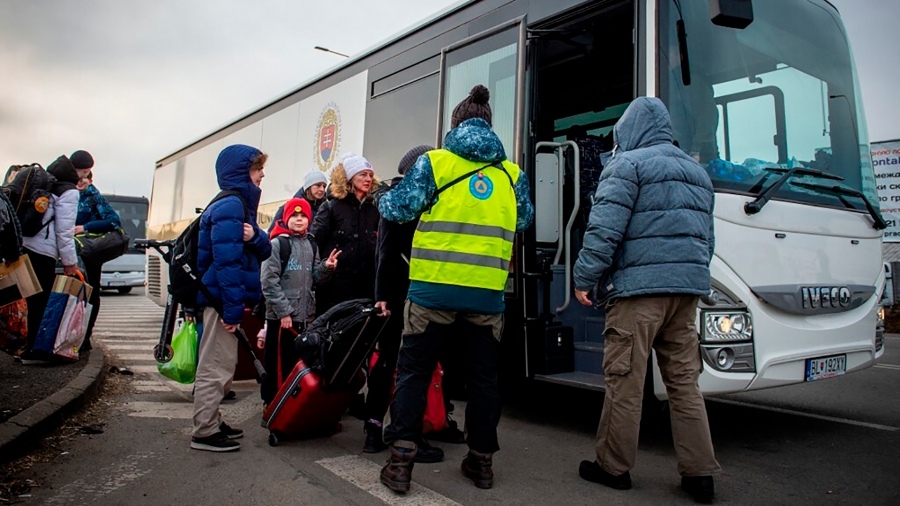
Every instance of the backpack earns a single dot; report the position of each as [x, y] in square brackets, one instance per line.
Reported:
[329, 336]
[10, 232]
[183, 276]
[259, 310]
[31, 197]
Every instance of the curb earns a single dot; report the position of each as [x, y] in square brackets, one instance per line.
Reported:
[21, 431]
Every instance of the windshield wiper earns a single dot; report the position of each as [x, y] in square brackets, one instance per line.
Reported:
[757, 204]
[843, 190]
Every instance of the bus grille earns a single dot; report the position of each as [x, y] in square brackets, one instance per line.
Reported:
[154, 287]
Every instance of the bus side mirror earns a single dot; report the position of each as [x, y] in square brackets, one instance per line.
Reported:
[731, 13]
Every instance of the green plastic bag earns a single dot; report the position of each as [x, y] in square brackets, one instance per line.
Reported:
[183, 365]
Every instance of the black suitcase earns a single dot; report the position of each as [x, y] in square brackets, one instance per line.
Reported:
[337, 343]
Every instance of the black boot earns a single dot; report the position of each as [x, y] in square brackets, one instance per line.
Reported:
[427, 454]
[374, 439]
[701, 488]
[397, 473]
[590, 470]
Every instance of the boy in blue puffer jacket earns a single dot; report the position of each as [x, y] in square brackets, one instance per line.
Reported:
[230, 249]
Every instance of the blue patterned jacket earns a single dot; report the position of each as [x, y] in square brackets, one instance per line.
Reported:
[95, 213]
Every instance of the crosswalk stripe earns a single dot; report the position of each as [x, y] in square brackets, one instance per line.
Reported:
[364, 474]
[150, 342]
[130, 347]
[137, 357]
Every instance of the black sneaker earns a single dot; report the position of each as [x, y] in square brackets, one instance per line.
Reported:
[218, 442]
[230, 432]
[701, 488]
[451, 434]
[591, 471]
[230, 396]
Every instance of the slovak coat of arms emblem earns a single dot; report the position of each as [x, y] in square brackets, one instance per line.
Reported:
[328, 136]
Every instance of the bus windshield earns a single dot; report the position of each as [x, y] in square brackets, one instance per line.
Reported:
[779, 94]
[133, 215]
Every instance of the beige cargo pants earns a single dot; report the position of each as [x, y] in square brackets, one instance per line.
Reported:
[634, 326]
[218, 358]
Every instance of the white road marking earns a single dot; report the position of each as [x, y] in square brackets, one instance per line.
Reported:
[146, 357]
[130, 347]
[143, 369]
[365, 474]
[888, 366]
[807, 415]
[143, 342]
[117, 476]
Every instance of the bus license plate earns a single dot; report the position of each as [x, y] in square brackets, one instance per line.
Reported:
[825, 367]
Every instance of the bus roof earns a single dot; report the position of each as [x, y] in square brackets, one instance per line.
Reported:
[333, 70]
[126, 198]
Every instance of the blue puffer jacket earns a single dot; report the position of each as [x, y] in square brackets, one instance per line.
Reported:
[228, 266]
[651, 227]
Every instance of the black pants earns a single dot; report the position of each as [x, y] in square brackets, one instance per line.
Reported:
[93, 279]
[418, 358]
[381, 378]
[279, 346]
[45, 270]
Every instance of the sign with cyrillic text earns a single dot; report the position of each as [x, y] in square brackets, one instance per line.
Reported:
[886, 161]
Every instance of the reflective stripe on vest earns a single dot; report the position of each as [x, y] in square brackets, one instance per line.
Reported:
[466, 239]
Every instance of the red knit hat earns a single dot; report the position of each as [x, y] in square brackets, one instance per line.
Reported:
[291, 207]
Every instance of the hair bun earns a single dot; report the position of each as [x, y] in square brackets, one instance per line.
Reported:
[480, 94]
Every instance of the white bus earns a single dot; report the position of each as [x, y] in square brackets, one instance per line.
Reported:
[764, 94]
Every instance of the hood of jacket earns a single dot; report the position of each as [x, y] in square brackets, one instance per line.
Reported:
[233, 173]
[474, 140]
[646, 122]
[65, 174]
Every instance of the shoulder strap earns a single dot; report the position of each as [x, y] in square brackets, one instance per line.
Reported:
[467, 175]
[284, 254]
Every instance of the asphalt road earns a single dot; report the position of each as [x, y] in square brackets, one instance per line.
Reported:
[834, 442]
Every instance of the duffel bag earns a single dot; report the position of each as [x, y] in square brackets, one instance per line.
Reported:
[101, 248]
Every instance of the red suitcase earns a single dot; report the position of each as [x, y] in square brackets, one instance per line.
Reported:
[303, 409]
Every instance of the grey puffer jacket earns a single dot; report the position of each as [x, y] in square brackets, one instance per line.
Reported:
[650, 230]
[291, 292]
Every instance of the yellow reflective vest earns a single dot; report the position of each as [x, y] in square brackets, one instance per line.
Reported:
[466, 239]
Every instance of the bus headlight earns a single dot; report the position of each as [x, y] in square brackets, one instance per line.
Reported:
[726, 326]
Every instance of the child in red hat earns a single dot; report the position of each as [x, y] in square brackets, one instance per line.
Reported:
[288, 277]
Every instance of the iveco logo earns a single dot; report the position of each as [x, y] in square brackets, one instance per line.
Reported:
[815, 297]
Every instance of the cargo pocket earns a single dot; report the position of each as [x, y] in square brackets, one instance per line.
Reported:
[617, 351]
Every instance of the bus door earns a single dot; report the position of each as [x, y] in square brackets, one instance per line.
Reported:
[494, 58]
[581, 79]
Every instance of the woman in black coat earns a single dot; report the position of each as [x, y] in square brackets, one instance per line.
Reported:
[348, 223]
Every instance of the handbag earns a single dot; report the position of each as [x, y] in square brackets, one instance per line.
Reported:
[183, 366]
[65, 288]
[101, 248]
[72, 326]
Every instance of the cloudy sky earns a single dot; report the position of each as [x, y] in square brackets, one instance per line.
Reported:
[132, 81]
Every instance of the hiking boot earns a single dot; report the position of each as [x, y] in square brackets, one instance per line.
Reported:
[218, 442]
[591, 471]
[374, 439]
[477, 467]
[427, 454]
[701, 488]
[397, 473]
[230, 432]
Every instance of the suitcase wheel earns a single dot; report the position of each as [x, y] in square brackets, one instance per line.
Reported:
[273, 439]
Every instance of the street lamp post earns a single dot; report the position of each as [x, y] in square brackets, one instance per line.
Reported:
[325, 49]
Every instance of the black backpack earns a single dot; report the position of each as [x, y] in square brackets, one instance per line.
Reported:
[10, 232]
[183, 275]
[30, 195]
[328, 337]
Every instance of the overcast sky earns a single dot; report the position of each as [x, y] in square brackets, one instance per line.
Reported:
[131, 81]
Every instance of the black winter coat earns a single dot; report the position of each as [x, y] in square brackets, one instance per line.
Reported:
[352, 228]
[392, 271]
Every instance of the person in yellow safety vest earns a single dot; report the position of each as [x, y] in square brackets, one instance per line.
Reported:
[470, 201]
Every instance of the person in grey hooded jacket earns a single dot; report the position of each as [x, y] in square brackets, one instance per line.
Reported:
[646, 251]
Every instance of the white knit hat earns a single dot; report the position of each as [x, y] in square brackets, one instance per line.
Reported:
[314, 177]
[354, 164]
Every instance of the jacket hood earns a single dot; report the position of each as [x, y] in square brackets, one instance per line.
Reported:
[474, 140]
[646, 122]
[233, 173]
[65, 174]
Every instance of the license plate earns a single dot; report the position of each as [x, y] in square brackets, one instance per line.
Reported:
[115, 283]
[825, 367]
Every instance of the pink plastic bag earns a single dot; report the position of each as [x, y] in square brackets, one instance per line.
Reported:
[72, 327]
